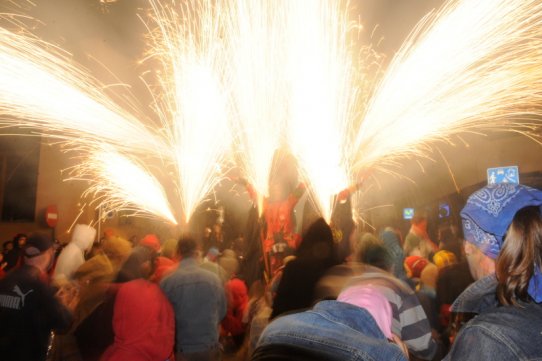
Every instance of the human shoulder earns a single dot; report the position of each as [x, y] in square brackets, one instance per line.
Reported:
[503, 333]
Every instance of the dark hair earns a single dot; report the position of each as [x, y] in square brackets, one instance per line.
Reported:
[376, 255]
[521, 252]
[317, 243]
[132, 268]
[187, 246]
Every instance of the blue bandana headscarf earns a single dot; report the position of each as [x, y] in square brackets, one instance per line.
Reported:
[488, 214]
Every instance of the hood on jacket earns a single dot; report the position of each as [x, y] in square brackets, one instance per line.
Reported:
[83, 236]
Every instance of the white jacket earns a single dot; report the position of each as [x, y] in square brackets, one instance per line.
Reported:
[73, 255]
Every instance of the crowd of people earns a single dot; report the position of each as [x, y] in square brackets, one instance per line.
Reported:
[472, 293]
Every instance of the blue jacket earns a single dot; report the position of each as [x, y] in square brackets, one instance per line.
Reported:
[199, 302]
[334, 331]
[498, 333]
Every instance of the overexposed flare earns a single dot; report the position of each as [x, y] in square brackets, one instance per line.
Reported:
[40, 89]
[193, 104]
[118, 182]
[255, 36]
[472, 66]
[323, 99]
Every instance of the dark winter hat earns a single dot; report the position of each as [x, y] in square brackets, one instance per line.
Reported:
[36, 244]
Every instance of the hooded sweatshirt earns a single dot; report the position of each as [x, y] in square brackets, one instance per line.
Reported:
[73, 255]
[144, 324]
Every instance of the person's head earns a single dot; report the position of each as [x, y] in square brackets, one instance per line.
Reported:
[414, 266]
[444, 258]
[38, 251]
[152, 241]
[83, 236]
[317, 243]
[359, 241]
[212, 254]
[420, 218]
[20, 240]
[140, 264]
[7, 246]
[413, 245]
[187, 247]
[493, 216]
[377, 255]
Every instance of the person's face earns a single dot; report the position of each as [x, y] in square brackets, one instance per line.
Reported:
[21, 241]
[9, 246]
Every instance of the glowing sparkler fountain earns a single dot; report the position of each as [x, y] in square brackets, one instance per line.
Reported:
[323, 98]
[473, 66]
[258, 87]
[193, 105]
[43, 91]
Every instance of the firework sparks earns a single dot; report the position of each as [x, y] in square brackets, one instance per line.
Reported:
[43, 91]
[323, 97]
[258, 87]
[193, 108]
[474, 66]
[120, 183]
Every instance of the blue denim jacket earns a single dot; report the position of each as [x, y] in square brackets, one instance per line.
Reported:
[199, 302]
[336, 330]
[498, 333]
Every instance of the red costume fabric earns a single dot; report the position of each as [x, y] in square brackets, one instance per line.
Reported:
[143, 322]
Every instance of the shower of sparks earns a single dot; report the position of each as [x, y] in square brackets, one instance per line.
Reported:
[255, 35]
[193, 107]
[123, 184]
[43, 91]
[279, 74]
[474, 66]
[323, 97]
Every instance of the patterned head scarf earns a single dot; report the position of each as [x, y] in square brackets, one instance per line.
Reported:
[489, 213]
[490, 210]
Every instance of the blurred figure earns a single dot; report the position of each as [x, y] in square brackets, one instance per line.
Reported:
[315, 255]
[392, 243]
[91, 283]
[233, 325]
[229, 263]
[73, 255]
[210, 263]
[450, 241]
[117, 250]
[502, 224]
[409, 320]
[169, 249]
[96, 332]
[143, 322]
[29, 310]
[356, 326]
[152, 241]
[426, 293]
[14, 256]
[417, 241]
[199, 303]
